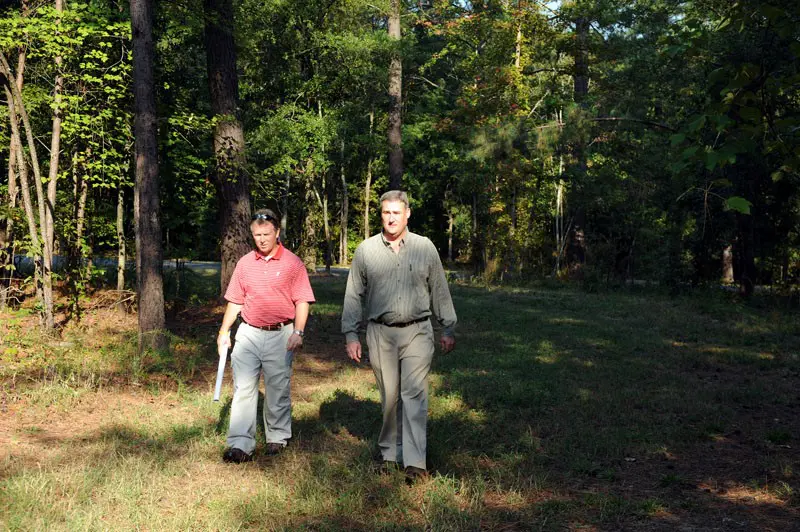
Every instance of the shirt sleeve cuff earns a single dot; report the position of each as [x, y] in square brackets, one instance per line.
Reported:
[351, 337]
[448, 331]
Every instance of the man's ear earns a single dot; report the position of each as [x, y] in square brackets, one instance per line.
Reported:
[408, 213]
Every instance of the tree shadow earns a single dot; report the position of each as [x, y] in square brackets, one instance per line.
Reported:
[360, 417]
[588, 393]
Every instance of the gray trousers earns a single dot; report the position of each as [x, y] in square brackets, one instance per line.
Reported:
[401, 360]
[256, 352]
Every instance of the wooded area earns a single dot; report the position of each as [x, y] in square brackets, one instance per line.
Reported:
[595, 140]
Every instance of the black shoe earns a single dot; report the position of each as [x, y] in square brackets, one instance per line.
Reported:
[413, 474]
[232, 455]
[274, 448]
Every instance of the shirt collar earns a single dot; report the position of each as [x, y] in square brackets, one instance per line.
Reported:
[276, 256]
[387, 243]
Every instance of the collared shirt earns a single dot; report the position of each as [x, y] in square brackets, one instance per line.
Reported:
[396, 287]
[269, 287]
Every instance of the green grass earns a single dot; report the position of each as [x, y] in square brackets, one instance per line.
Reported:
[558, 410]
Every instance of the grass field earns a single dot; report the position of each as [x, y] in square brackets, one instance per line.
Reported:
[558, 410]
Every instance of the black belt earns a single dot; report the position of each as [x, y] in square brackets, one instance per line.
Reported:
[406, 324]
[273, 327]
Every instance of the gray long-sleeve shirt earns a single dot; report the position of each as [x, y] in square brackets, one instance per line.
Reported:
[396, 287]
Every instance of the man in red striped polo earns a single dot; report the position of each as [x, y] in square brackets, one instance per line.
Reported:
[271, 291]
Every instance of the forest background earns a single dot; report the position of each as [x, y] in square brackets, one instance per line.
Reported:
[599, 140]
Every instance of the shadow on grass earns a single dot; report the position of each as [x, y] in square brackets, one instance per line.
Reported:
[603, 397]
[587, 406]
[360, 417]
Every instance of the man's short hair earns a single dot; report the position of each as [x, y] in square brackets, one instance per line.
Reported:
[395, 195]
[262, 216]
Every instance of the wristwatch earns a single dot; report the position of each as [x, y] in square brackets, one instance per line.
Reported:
[298, 332]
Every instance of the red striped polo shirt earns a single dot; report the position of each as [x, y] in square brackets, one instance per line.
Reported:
[268, 289]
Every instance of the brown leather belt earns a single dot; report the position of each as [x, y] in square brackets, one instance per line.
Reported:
[406, 324]
[273, 327]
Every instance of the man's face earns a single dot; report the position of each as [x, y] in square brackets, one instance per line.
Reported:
[265, 236]
[394, 215]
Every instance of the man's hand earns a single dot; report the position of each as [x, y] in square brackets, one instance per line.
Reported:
[354, 350]
[447, 343]
[224, 340]
[294, 343]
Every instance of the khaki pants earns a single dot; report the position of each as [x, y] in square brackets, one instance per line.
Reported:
[401, 360]
[256, 352]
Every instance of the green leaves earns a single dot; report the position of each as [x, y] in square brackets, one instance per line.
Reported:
[738, 204]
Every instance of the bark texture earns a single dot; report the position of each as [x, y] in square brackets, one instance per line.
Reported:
[395, 102]
[344, 258]
[149, 260]
[233, 191]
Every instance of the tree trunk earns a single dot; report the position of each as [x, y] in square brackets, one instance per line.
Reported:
[7, 240]
[727, 264]
[344, 259]
[395, 101]
[368, 181]
[576, 249]
[559, 222]
[22, 169]
[150, 285]
[367, 194]
[232, 183]
[7, 233]
[745, 254]
[581, 58]
[477, 244]
[450, 226]
[43, 257]
[76, 270]
[322, 201]
[7, 226]
[327, 229]
[285, 207]
[55, 152]
[511, 263]
[309, 244]
[80, 224]
[121, 253]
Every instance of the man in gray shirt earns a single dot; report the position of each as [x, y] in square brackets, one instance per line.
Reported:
[397, 279]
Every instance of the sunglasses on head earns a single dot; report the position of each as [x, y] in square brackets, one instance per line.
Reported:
[265, 217]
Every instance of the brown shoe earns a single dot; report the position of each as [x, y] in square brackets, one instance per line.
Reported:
[413, 474]
[274, 448]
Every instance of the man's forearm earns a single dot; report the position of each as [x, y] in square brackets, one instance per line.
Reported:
[352, 311]
[301, 315]
[231, 312]
[442, 302]
[351, 316]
